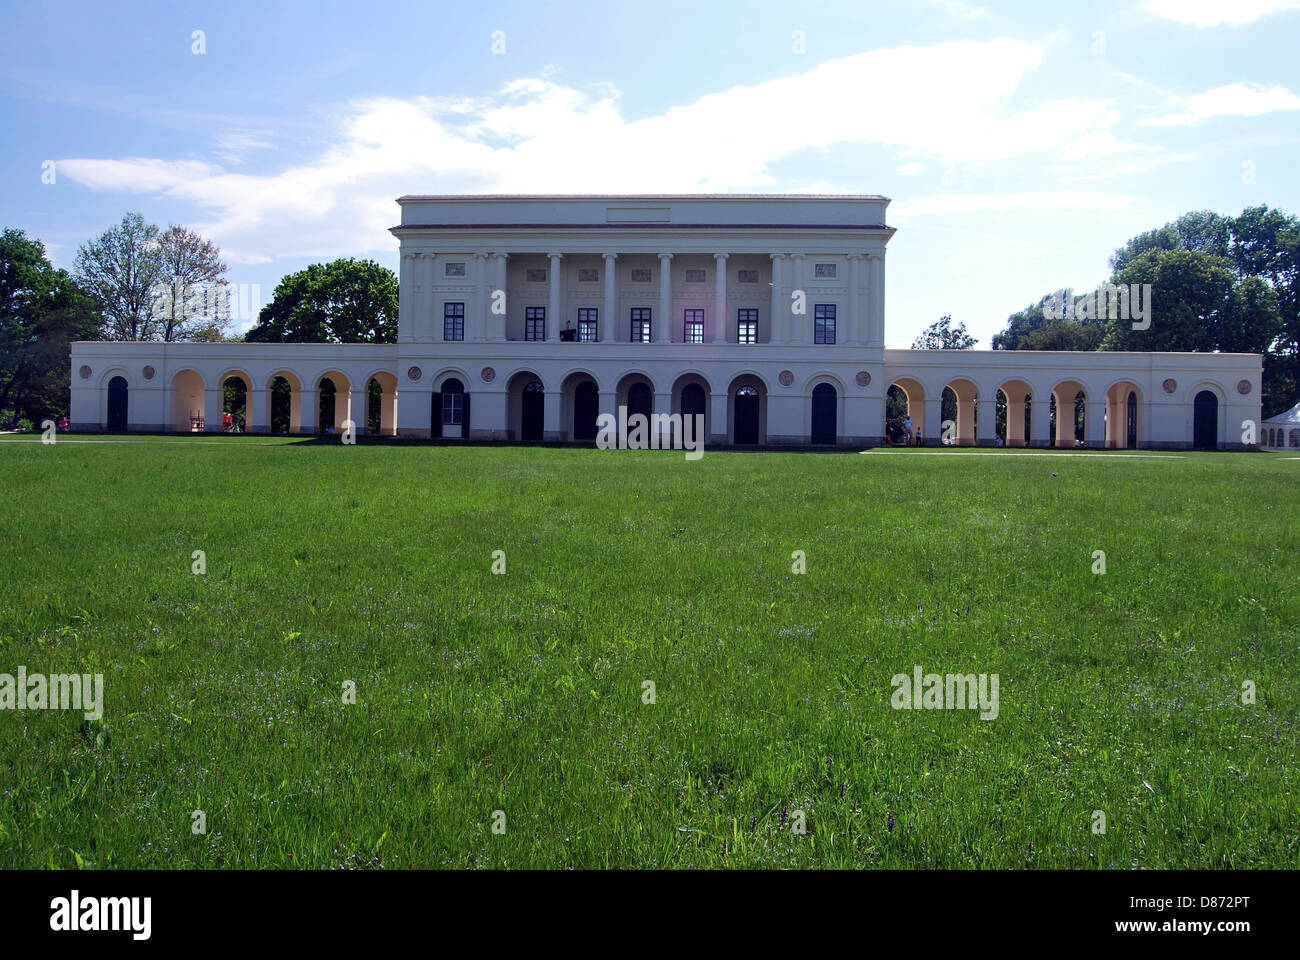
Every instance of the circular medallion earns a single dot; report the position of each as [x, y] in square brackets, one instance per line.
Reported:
[1243, 387]
[1170, 385]
[148, 372]
[85, 372]
[487, 374]
[786, 378]
[863, 378]
[414, 373]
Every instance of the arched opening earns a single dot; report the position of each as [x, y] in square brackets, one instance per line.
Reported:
[334, 403]
[533, 413]
[1131, 420]
[286, 403]
[745, 425]
[640, 399]
[117, 405]
[188, 403]
[905, 412]
[234, 404]
[1123, 416]
[586, 409]
[1205, 421]
[1013, 413]
[381, 405]
[690, 399]
[825, 404]
[959, 408]
[450, 412]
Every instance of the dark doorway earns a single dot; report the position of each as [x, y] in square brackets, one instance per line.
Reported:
[451, 411]
[823, 414]
[325, 408]
[1205, 421]
[639, 400]
[693, 402]
[585, 408]
[534, 413]
[745, 427]
[117, 405]
[1131, 424]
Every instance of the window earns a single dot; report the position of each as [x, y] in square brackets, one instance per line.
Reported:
[453, 402]
[453, 321]
[824, 323]
[746, 325]
[747, 276]
[824, 271]
[453, 269]
[588, 275]
[587, 326]
[640, 324]
[694, 276]
[640, 274]
[535, 275]
[693, 328]
[534, 323]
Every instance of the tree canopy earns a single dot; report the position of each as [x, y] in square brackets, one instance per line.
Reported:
[344, 301]
[942, 335]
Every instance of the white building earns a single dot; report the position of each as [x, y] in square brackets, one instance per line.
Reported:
[524, 317]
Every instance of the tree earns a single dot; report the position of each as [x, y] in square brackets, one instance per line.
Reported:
[1031, 329]
[42, 311]
[941, 335]
[1190, 297]
[193, 300]
[345, 301]
[1201, 230]
[121, 270]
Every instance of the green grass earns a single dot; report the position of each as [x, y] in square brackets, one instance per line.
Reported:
[523, 692]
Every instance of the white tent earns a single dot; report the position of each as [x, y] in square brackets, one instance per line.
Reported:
[1282, 431]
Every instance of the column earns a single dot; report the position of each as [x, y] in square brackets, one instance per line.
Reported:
[423, 319]
[479, 313]
[800, 326]
[551, 426]
[855, 313]
[388, 413]
[606, 403]
[933, 420]
[1040, 421]
[258, 413]
[986, 426]
[358, 408]
[720, 321]
[304, 409]
[876, 299]
[776, 323]
[663, 404]
[717, 419]
[553, 322]
[1015, 420]
[213, 407]
[405, 284]
[1094, 425]
[662, 322]
[497, 300]
[609, 325]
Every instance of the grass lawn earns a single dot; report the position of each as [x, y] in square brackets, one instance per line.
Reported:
[523, 692]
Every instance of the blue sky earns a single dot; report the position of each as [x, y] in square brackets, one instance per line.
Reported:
[1020, 142]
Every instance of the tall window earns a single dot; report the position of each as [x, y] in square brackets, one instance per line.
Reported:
[453, 402]
[746, 325]
[693, 326]
[534, 323]
[587, 325]
[824, 323]
[640, 325]
[453, 321]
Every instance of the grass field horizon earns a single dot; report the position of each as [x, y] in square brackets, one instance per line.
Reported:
[523, 692]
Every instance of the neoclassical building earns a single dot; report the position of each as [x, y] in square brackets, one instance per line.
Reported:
[522, 318]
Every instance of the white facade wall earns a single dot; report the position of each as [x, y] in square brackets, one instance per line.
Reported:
[611, 255]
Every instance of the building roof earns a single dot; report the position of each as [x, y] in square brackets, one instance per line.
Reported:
[1291, 416]
[643, 196]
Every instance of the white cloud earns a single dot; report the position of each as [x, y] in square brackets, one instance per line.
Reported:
[911, 169]
[1232, 100]
[945, 203]
[948, 104]
[1214, 13]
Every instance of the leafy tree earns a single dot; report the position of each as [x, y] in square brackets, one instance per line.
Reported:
[1200, 230]
[192, 302]
[345, 301]
[941, 335]
[121, 270]
[1191, 295]
[42, 311]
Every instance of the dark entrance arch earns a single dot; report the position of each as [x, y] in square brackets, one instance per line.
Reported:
[534, 412]
[639, 400]
[745, 427]
[117, 402]
[1131, 433]
[585, 407]
[1205, 421]
[823, 414]
[450, 411]
[693, 402]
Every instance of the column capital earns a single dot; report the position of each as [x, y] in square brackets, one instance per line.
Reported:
[425, 256]
[797, 256]
[777, 256]
[556, 256]
[499, 256]
[855, 256]
[721, 256]
[481, 255]
[610, 256]
[665, 256]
